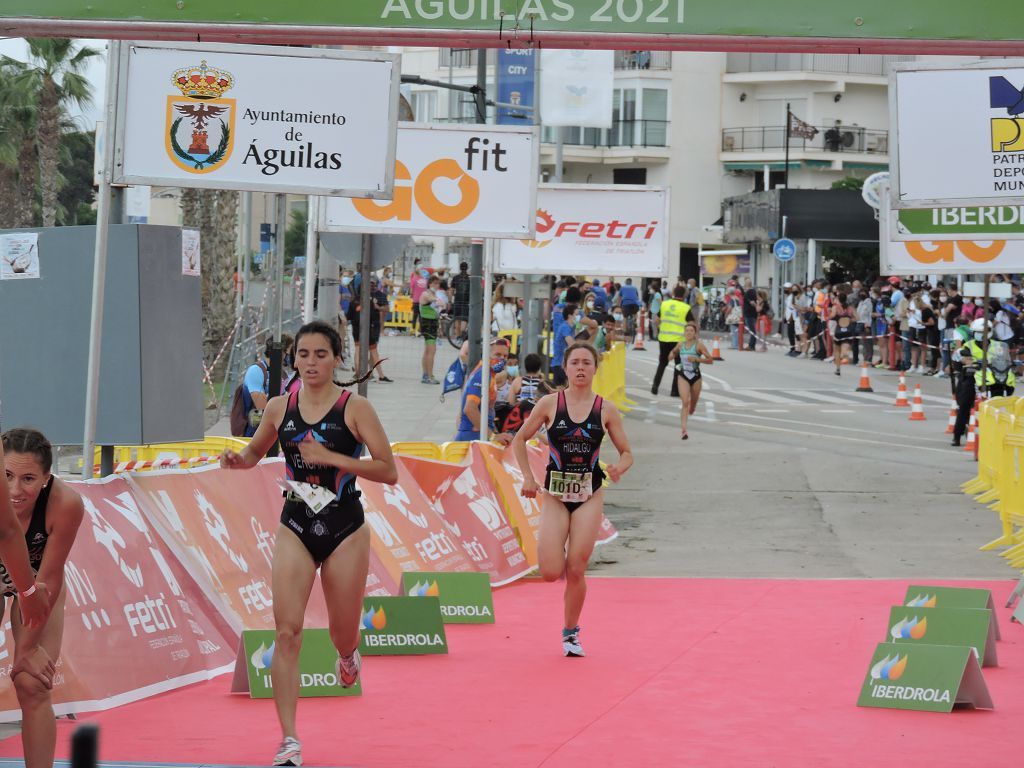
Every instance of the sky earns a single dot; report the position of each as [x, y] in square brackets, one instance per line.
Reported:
[96, 73]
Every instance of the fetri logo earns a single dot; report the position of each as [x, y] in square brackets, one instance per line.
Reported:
[922, 601]
[909, 629]
[262, 657]
[424, 589]
[889, 668]
[375, 619]
[589, 230]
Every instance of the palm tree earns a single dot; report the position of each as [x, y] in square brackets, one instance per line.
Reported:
[55, 76]
[18, 161]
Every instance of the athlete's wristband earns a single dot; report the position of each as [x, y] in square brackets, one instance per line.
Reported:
[28, 592]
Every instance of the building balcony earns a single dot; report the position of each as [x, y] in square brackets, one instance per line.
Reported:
[832, 139]
[822, 63]
[623, 133]
[643, 60]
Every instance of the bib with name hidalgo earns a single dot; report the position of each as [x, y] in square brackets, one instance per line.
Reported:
[574, 471]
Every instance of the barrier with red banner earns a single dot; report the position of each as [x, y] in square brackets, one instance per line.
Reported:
[170, 566]
[468, 502]
[136, 623]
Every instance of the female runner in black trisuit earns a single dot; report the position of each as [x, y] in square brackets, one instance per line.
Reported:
[573, 502]
[322, 429]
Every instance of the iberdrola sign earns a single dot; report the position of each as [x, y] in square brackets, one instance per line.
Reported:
[875, 25]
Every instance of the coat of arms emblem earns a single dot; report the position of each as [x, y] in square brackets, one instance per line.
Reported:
[200, 122]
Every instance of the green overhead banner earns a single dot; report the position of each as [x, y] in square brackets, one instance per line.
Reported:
[919, 596]
[521, 20]
[946, 626]
[931, 678]
[966, 223]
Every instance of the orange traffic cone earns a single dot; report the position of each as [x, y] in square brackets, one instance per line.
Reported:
[952, 417]
[917, 409]
[972, 425]
[865, 380]
[638, 340]
[901, 393]
[716, 352]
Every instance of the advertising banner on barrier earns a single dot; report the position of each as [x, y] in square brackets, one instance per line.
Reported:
[222, 523]
[262, 118]
[469, 504]
[946, 626]
[465, 597]
[403, 625]
[593, 229]
[931, 678]
[408, 534]
[978, 113]
[125, 591]
[451, 181]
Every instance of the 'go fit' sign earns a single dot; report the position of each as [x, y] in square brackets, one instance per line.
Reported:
[876, 25]
[451, 181]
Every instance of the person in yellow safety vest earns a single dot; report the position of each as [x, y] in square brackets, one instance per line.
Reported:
[675, 313]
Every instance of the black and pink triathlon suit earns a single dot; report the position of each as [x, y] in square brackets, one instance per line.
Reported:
[573, 446]
[322, 532]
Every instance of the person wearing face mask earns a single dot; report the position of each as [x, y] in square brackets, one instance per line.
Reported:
[966, 355]
[472, 393]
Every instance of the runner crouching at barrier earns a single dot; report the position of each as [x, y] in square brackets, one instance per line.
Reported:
[322, 429]
[573, 502]
[49, 514]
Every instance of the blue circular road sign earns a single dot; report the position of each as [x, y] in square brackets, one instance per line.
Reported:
[784, 249]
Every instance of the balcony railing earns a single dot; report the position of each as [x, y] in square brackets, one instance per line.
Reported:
[643, 60]
[623, 133]
[827, 63]
[840, 138]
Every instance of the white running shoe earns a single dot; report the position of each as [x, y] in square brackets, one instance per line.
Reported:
[571, 642]
[289, 753]
[347, 669]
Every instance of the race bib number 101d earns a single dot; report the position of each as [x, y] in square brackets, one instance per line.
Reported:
[571, 486]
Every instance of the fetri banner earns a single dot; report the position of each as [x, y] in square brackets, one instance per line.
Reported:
[125, 590]
[465, 597]
[317, 659]
[946, 626]
[392, 626]
[931, 678]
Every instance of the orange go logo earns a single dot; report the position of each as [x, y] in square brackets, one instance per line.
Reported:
[945, 251]
[421, 194]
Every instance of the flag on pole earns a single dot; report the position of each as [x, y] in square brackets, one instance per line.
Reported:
[798, 129]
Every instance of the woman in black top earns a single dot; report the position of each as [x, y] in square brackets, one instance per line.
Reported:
[572, 506]
[322, 429]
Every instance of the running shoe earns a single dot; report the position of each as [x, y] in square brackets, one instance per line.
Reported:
[347, 669]
[289, 753]
[571, 642]
[424, 379]
[386, 379]
[432, 380]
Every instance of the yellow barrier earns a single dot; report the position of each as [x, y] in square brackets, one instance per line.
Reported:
[210, 446]
[422, 450]
[454, 451]
[994, 423]
[610, 379]
[513, 339]
[401, 314]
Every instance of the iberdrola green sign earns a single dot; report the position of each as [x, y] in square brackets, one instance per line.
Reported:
[925, 677]
[465, 597]
[317, 659]
[525, 20]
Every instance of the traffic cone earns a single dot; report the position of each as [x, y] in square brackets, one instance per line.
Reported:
[638, 340]
[917, 409]
[865, 380]
[952, 417]
[901, 393]
[971, 437]
[716, 352]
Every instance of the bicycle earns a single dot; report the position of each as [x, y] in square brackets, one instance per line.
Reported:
[446, 328]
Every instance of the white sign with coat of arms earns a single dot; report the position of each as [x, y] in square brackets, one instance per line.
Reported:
[308, 121]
